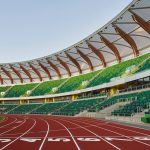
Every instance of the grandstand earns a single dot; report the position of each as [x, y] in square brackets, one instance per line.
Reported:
[113, 72]
[77, 107]
[142, 101]
[49, 108]
[19, 90]
[69, 84]
[106, 75]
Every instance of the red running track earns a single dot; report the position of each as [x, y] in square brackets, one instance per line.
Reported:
[35, 132]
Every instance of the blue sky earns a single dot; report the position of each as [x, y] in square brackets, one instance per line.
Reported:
[34, 28]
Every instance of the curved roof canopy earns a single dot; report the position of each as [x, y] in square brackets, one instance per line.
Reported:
[128, 34]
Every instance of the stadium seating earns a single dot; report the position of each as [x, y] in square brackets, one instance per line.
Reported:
[24, 108]
[77, 106]
[4, 88]
[145, 66]
[7, 107]
[110, 101]
[74, 82]
[46, 87]
[49, 107]
[20, 90]
[116, 70]
[141, 102]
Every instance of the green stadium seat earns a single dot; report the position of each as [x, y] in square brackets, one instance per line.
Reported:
[20, 90]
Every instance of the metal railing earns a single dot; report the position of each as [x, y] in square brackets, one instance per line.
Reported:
[135, 88]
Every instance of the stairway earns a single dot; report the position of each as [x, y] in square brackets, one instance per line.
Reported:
[108, 110]
[35, 108]
[62, 84]
[84, 86]
[26, 94]
[136, 68]
[7, 90]
[8, 112]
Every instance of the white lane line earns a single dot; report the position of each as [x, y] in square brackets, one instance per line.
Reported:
[93, 134]
[69, 133]
[45, 135]
[13, 128]
[67, 136]
[84, 136]
[20, 135]
[117, 123]
[120, 128]
[115, 133]
[8, 123]
[45, 131]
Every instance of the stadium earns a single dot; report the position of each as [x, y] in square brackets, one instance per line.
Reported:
[94, 94]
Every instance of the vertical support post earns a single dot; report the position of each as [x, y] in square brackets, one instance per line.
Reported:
[74, 97]
[113, 91]
[20, 102]
[2, 102]
[45, 100]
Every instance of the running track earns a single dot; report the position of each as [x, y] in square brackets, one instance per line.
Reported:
[35, 132]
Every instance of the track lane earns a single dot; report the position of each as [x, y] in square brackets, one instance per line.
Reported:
[34, 138]
[52, 131]
[85, 133]
[120, 126]
[14, 143]
[59, 130]
[12, 127]
[138, 144]
[46, 135]
[10, 120]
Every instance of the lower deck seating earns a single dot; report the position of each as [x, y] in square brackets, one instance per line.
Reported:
[138, 101]
[7, 107]
[78, 106]
[141, 102]
[49, 107]
[110, 101]
[24, 108]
